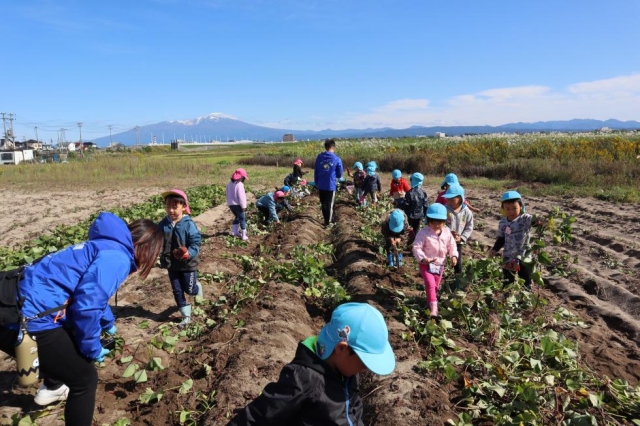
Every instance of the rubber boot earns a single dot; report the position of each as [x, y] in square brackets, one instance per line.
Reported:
[400, 256]
[244, 235]
[390, 259]
[433, 308]
[200, 290]
[234, 231]
[185, 311]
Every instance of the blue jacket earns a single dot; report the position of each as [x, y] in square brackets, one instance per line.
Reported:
[269, 203]
[86, 275]
[328, 169]
[184, 233]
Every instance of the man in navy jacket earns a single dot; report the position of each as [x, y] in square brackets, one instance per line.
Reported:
[327, 170]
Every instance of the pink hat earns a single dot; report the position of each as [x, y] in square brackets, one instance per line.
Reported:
[278, 194]
[239, 173]
[179, 193]
[298, 162]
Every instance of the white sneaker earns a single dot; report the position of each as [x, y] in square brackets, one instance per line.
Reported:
[46, 396]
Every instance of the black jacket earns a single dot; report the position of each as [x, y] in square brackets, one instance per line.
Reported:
[308, 392]
[372, 184]
[415, 203]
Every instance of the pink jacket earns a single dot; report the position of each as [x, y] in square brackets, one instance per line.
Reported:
[236, 195]
[428, 245]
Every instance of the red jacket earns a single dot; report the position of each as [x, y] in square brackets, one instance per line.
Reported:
[401, 185]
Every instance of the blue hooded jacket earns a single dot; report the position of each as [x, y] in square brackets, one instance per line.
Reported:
[327, 170]
[85, 275]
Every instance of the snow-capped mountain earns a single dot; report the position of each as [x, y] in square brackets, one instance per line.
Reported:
[221, 127]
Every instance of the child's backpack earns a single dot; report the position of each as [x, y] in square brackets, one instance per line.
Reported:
[358, 178]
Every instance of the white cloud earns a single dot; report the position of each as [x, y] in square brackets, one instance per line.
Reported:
[617, 97]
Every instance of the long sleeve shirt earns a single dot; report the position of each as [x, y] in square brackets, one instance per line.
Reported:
[433, 247]
[236, 195]
[460, 222]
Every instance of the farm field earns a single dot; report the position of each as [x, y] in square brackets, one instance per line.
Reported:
[485, 365]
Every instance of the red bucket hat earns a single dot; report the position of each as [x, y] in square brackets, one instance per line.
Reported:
[179, 193]
[239, 173]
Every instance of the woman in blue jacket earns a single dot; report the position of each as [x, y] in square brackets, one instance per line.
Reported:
[80, 280]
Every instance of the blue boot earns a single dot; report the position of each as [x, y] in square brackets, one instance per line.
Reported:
[390, 259]
[399, 260]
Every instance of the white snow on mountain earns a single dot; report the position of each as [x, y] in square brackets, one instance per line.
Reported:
[214, 116]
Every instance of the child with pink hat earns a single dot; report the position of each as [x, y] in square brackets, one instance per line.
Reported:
[180, 251]
[237, 202]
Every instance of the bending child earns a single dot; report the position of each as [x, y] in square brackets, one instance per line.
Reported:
[393, 228]
[320, 385]
[430, 250]
[270, 204]
[399, 185]
[180, 251]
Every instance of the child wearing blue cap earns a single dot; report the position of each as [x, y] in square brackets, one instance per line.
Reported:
[320, 385]
[415, 204]
[430, 249]
[399, 185]
[459, 221]
[359, 175]
[513, 235]
[451, 179]
[393, 228]
[371, 186]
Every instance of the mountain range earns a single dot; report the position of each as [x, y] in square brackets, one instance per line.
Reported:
[220, 127]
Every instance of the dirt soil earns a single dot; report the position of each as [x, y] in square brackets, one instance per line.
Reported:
[233, 360]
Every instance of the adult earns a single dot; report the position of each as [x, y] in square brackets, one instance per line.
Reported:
[327, 170]
[80, 280]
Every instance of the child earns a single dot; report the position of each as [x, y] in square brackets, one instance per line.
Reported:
[297, 170]
[358, 179]
[392, 228]
[451, 179]
[320, 385]
[180, 251]
[399, 185]
[237, 202]
[430, 250]
[270, 204]
[415, 204]
[459, 221]
[371, 186]
[513, 235]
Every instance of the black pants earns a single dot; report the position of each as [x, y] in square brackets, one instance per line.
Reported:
[415, 228]
[61, 362]
[458, 268]
[266, 214]
[510, 276]
[326, 203]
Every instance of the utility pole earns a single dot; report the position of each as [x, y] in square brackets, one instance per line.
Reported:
[110, 138]
[8, 134]
[37, 140]
[137, 135]
[81, 146]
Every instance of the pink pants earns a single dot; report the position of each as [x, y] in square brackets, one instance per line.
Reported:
[431, 283]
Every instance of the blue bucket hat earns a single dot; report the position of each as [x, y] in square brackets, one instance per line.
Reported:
[416, 179]
[372, 164]
[371, 170]
[396, 221]
[363, 328]
[285, 189]
[511, 196]
[396, 174]
[437, 211]
[449, 179]
[454, 190]
[358, 165]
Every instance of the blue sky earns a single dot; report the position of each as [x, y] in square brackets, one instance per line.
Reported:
[305, 64]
